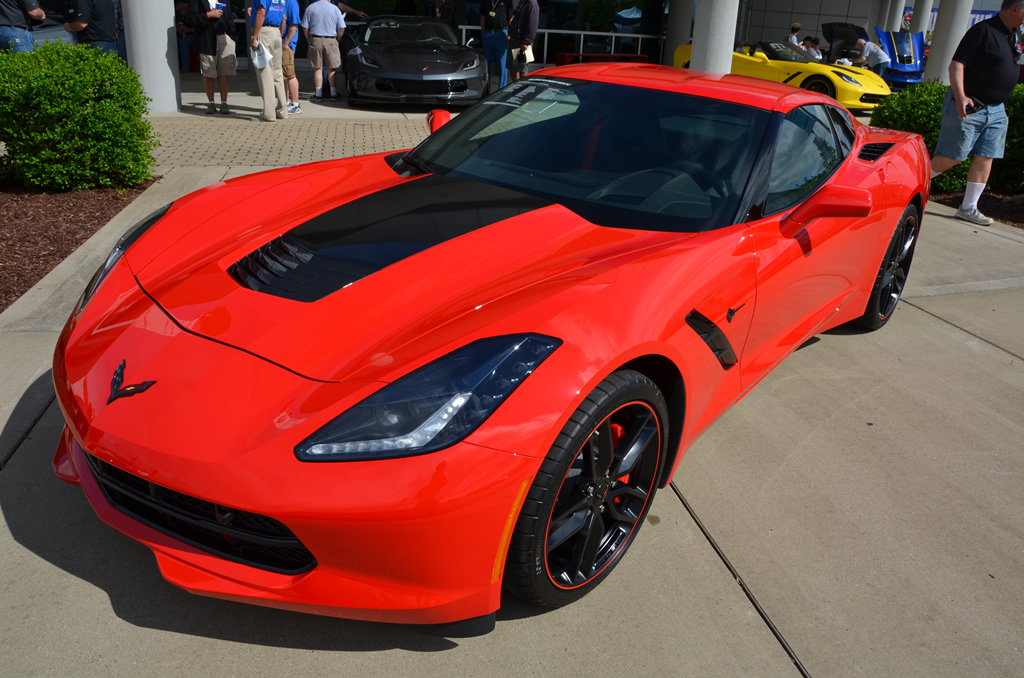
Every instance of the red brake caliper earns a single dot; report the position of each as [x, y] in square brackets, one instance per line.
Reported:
[617, 433]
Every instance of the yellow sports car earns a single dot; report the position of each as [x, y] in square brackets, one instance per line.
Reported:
[855, 88]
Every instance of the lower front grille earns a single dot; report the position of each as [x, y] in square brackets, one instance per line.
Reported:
[435, 87]
[240, 536]
[872, 98]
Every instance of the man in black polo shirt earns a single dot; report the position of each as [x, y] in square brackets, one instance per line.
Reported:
[95, 23]
[982, 76]
[15, 18]
[494, 27]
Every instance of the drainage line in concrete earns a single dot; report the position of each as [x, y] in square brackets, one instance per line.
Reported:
[962, 329]
[26, 434]
[739, 580]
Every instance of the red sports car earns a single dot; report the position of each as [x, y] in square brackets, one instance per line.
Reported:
[386, 387]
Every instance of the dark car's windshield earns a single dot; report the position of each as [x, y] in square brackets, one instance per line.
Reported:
[409, 30]
[777, 51]
[619, 156]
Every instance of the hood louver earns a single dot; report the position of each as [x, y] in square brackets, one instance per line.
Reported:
[872, 152]
[285, 268]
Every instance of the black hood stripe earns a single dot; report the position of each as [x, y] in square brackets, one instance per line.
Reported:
[361, 237]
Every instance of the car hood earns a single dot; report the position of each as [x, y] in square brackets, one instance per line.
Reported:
[420, 59]
[330, 270]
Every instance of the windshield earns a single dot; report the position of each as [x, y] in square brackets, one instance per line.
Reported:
[777, 51]
[408, 30]
[618, 156]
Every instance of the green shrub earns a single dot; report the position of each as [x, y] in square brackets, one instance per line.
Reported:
[72, 118]
[918, 109]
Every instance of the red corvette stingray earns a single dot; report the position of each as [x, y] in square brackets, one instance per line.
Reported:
[385, 387]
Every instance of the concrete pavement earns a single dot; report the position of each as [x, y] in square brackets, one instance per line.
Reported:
[867, 493]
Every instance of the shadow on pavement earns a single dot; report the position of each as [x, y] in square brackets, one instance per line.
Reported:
[54, 521]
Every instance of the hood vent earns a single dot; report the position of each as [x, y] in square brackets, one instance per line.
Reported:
[872, 152]
[286, 268]
[357, 239]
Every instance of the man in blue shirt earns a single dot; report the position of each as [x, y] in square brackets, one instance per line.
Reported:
[289, 42]
[323, 25]
[267, 18]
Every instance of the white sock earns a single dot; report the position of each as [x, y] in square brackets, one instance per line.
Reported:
[971, 196]
[935, 174]
[334, 91]
[319, 91]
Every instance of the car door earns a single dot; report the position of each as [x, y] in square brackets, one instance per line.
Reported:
[756, 65]
[802, 277]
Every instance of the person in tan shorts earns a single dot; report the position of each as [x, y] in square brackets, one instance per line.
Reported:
[323, 25]
[214, 24]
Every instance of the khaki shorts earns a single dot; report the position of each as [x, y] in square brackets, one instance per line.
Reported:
[224, 62]
[324, 53]
[287, 62]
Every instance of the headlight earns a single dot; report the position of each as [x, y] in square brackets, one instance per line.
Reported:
[433, 407]
[472, 64]
[366, 60]
[847, 78]
[119, 249]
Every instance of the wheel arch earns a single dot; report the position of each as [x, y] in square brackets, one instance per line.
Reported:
[669, 380]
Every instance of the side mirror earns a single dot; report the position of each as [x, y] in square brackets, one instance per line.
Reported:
[762, 57]
[437, 118]
[829, 201]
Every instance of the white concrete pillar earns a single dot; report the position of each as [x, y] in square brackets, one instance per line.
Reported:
[153, 50]
[714, 30]
[680, 20]
[878, 16]
[922, 15]
[950, 25]
[895, 19]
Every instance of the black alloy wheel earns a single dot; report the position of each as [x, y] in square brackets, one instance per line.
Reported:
[819, 84]
[592, 493]
[892, 276]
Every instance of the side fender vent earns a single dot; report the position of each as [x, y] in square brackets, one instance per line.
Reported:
[872, 152]
[713, 337]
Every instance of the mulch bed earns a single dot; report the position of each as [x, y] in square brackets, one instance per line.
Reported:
[39, 230]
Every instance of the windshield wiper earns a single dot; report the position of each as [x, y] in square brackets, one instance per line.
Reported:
[410, 159]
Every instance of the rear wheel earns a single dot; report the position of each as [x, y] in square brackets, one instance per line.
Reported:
[892, 276]
[816, 83]
[591, 495]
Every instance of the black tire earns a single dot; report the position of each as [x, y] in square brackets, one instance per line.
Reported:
[892, 274]
[590, 497]
[817, 83]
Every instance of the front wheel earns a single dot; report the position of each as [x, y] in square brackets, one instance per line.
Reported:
[591, 494]
[892, 276]
[819, 84]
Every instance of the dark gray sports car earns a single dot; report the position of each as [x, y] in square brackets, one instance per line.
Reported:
[407, 59]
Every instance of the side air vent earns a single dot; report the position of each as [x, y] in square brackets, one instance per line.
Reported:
[286, 268]
[713, 337]
[872, 152]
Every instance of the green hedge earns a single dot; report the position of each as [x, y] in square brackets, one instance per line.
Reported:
[919, 109]
[72, 118]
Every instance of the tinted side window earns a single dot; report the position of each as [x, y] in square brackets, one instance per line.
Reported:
[844, 130]
[805, 155]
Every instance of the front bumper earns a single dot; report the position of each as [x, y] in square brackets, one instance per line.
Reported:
[405, 88]
[438, 559]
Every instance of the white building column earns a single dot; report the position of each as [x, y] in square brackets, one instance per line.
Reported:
[950, 25]
[680, 20]
[878, 16]
[714, 30]
[153, 51]
[922, 15]
[895, 19]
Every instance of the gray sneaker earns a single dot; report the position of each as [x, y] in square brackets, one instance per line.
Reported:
[974, 216]
[211, 108]
[224, 108]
